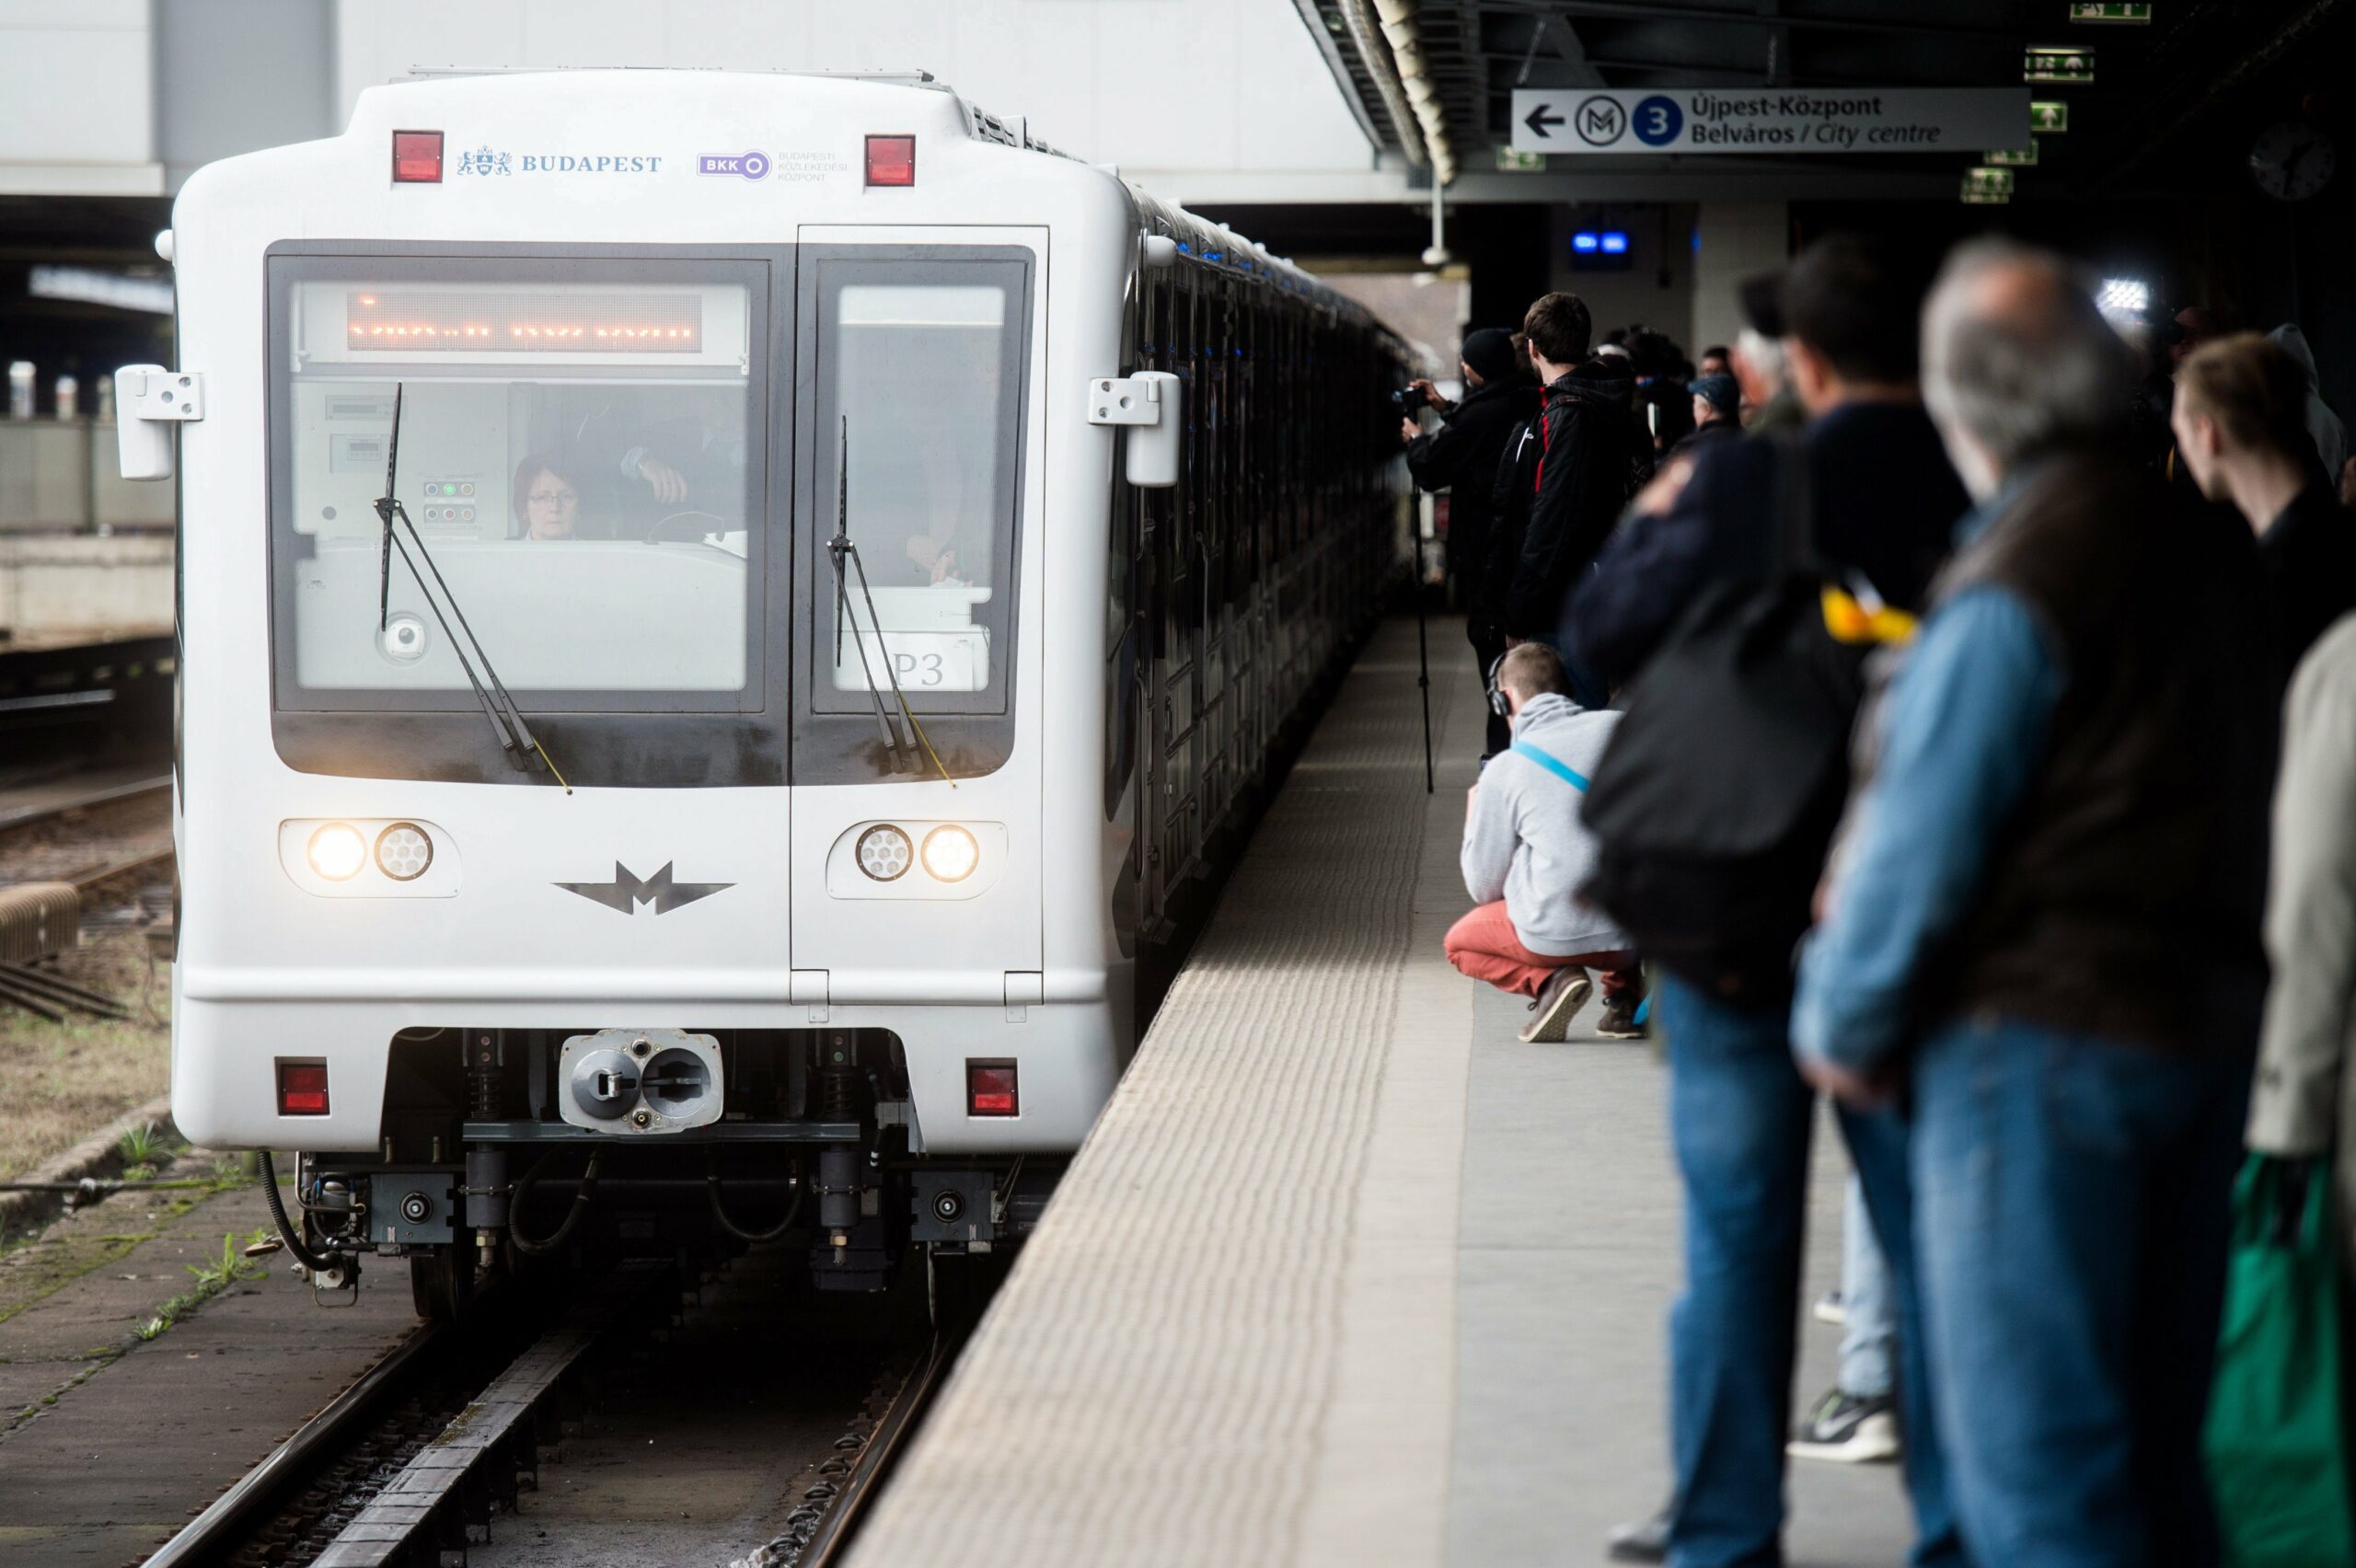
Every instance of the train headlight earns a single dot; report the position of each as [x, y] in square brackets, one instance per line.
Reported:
[951, 853]
[403, 852]
[884, 853]
[337, 851]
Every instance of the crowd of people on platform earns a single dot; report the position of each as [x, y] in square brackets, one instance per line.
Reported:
[1944, 700]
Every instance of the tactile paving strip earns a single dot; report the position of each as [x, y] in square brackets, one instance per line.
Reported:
[1149, 1384]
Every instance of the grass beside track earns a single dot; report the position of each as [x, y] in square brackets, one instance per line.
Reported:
[66, 1080]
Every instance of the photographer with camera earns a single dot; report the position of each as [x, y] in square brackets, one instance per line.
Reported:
[1461, 458]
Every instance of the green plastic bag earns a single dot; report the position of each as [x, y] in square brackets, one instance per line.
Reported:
[2275, 1445]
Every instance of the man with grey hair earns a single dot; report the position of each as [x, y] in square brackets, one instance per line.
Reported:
[2069, 781]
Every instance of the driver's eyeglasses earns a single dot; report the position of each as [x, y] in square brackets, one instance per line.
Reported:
[554, 498]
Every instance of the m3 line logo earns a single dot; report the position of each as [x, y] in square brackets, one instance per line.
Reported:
[1600, 122]
[628, 890]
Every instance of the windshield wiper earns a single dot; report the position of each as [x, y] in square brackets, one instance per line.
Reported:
[515, 738]
[839, 548]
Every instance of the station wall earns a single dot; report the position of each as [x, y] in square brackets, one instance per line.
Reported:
[1166, 89]
[127, 97]
[64, 57]
[1655, 284]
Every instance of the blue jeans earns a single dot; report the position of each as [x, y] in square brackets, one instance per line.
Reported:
[1870, 1322]
[1879, 1142]
[2071, 1228]
[1740, 1118]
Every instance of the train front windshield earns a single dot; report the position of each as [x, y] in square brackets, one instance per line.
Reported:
[629, 473]
[581, 457]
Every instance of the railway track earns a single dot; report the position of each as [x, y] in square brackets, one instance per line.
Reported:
[406, 1464]
[89, 879]
[94, 839]
[819, 1535]
[440, 1447]
[110, 841]
[240, 1511]
[88, 801]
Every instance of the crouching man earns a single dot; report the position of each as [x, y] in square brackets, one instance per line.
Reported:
[1526, 853]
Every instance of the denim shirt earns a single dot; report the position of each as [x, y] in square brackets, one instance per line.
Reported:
[1962, 733]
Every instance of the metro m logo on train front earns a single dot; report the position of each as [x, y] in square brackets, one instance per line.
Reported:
[628, 890]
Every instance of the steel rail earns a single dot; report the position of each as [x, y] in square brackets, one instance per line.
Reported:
[474, 1461]
[207, 1537]
[833, 1537]
[91, 877]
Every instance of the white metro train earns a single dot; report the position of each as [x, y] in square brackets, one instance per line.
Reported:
[722, 615]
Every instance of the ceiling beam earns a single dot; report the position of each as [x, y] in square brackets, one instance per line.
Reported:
[1778, 73]
[1638, 11]
[1313, 19]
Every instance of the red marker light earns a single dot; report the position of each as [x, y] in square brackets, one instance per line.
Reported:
[990, 1089]
[417, 158]
[891, 160]
[302, 1089]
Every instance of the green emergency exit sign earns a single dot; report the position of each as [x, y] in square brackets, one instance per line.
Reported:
[2012, 157]
[1985, 185]
[2057, 63]
[2111, 11]
[2047, 117]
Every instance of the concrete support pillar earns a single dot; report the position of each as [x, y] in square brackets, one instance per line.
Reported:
[1732, 240]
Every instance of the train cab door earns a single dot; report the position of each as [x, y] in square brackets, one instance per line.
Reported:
[920, 608]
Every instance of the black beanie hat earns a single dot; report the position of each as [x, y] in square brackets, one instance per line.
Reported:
[1490, 353]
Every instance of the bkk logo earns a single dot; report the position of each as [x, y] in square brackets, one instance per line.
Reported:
[751, 166]
[489, 160]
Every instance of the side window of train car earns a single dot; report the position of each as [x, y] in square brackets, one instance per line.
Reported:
[912, 401]
[579, 449]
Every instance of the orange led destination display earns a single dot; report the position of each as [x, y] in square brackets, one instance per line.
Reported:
[627, 322]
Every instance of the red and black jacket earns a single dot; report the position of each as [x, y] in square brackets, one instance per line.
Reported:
[1589, 458]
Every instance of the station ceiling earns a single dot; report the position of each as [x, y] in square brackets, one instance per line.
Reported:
[2140, 124]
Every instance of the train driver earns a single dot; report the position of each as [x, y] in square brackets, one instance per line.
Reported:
[547, 502]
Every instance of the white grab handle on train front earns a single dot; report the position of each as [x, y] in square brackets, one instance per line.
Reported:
[149, 400]
[1149, 405]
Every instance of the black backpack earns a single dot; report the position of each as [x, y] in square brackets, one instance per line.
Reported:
[1715, 803]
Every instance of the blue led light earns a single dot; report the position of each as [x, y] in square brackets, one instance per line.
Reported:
[1586, 242]
[1615, 242]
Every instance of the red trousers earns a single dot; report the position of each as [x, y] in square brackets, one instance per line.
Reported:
[1484, 946]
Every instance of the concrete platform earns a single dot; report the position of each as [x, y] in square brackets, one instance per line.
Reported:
[109, 1444]
[1347, 1275]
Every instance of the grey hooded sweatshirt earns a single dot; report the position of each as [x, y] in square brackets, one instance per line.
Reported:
[2330, 435]
[1523, 841]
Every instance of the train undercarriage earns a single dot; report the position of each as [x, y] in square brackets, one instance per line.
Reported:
[507, 1150]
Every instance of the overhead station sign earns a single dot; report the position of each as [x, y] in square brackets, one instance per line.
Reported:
[1767, 120]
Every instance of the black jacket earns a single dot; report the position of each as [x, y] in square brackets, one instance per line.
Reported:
[1509, 497]
[1674, 422]
[1694, 440]
[1588, 462]
[2309, 553]
[1883, 503]
[1461, 458]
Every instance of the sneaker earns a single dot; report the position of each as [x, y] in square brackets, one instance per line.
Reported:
[1847, 1430]
[1557, 1001]
[1620, 1019]
[1831, 1308]
[1647, 1540]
